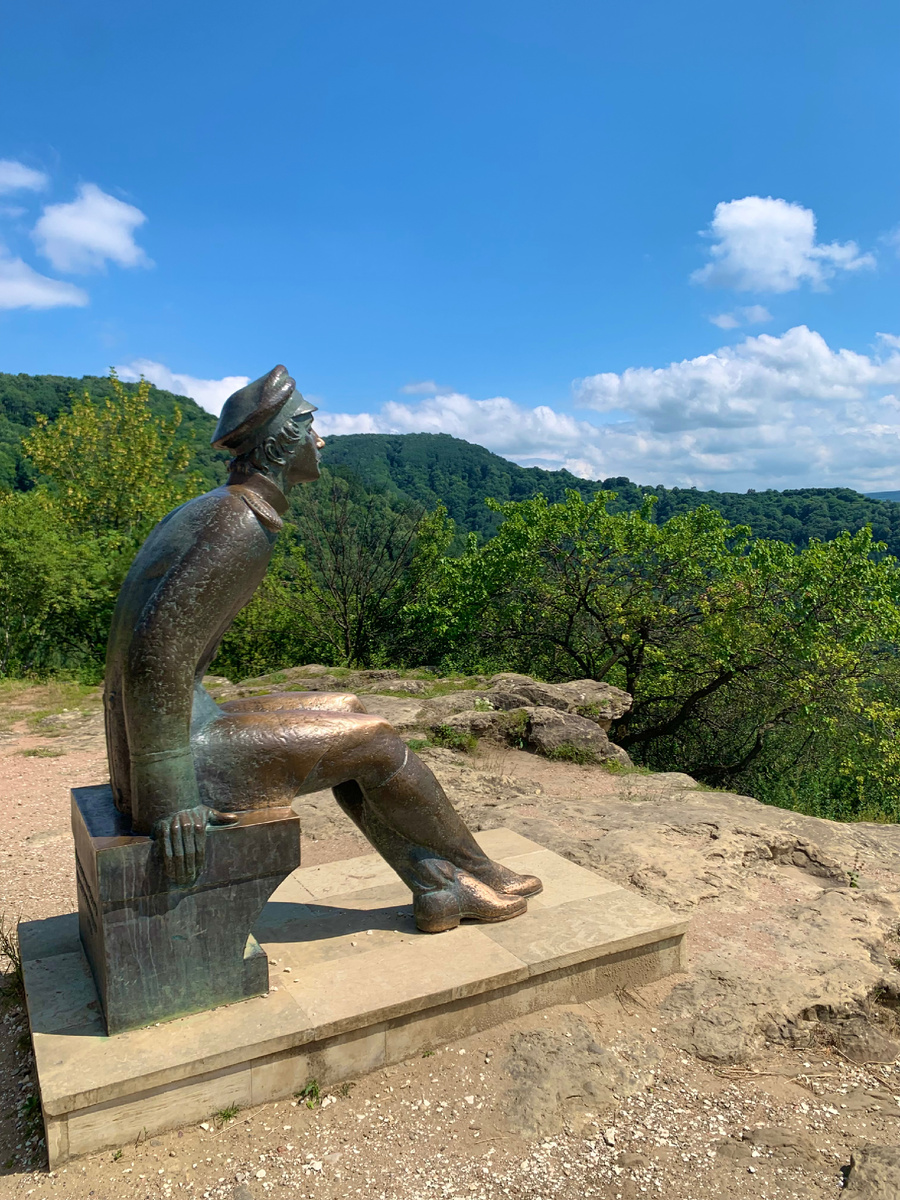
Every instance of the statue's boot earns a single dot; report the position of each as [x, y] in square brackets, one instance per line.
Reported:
[443, 895]
[413, 805]
[458, 896]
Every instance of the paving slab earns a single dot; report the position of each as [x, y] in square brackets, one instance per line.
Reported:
[353, 986]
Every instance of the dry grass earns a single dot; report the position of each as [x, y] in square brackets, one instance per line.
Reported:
[33, 700]
[12, 987]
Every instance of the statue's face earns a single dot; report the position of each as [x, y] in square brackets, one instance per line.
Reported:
[303, 466]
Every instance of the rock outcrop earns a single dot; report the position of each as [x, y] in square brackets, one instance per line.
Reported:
[555, 719]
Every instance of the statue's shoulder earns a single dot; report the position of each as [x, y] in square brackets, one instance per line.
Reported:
[258, 505]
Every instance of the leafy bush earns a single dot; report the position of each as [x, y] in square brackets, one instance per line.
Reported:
[568, 752]
[453, 739]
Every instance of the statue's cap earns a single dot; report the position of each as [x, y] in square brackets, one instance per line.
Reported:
[258, 410]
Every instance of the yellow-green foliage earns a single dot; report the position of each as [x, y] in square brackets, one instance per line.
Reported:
[113, 465]
[109, 471]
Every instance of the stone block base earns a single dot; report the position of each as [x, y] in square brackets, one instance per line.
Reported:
[158, 951]
[354, 987]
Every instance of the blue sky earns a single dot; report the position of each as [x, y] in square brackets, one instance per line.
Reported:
[652, 239]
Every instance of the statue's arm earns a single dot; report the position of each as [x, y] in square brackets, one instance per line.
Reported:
[193, 603]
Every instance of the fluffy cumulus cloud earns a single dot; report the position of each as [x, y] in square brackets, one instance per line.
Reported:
[784, 411]
[787, 411]
[16, 177]
[23, 287]
[539, 436]
[210, 394]
[765, 245]
[90, 231]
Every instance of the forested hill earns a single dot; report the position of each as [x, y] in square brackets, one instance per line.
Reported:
[23, 397]
[431, 468]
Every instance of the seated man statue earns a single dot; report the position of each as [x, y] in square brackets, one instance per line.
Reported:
[179, 761]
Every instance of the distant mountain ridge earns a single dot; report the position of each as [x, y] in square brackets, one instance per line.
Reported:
[432, 468]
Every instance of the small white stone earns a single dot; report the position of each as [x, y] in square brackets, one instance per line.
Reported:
[261, 1173]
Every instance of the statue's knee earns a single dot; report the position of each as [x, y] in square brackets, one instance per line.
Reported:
[381, 730]
[383, 747]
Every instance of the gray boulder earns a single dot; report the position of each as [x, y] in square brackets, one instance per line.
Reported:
[862, 1042]
[874, 1173]
[547, 730]
[402, 711]
[479, 724]
[551, 731]
[556, 1074]
[598, 702]
[437, 710]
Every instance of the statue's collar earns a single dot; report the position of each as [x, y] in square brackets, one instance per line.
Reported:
[262, 497]
[270, 492]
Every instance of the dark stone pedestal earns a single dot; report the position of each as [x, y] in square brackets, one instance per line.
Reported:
[157, 951]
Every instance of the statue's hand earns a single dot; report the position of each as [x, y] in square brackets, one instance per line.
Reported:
[182, 839]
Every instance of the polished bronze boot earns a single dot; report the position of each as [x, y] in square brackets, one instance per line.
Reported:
[443, 895]
[505, 882]
[458, 896]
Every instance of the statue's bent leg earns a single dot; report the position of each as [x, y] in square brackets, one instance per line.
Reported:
[250, 760]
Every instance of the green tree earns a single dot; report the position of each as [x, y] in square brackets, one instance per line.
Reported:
[359, 562]
[739, 654]
[109, 471]
[113, 466]
[343, 584]
[54, 590]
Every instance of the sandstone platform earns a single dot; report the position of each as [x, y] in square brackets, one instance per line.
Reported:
[354, 987]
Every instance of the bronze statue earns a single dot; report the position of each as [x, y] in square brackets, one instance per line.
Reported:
[180, 762]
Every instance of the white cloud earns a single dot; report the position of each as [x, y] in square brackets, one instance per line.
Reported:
[22, 287]
[781, 412]
[752, 314]
[767, 245]
[427, 387]
[94, 228]
[16, 177]
[210, 394]
[540, 436]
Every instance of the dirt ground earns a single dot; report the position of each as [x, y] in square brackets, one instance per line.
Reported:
[581, 1101]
